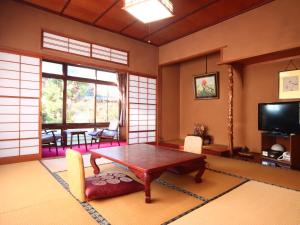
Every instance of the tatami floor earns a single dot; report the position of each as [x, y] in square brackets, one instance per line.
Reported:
[232, 192]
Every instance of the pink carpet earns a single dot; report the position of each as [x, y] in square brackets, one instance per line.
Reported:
[61, 152]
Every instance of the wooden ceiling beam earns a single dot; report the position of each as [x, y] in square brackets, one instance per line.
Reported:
[106, 11]
[129, 25]
[182, 18]
[65, 6]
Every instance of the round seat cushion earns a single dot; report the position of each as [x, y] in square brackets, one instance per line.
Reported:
[111, 184]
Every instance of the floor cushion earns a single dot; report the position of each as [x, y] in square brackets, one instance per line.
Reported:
[111, 184]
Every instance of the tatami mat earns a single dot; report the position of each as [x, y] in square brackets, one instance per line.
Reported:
[253, 203]
[64, 211]
[60, 164]
[212, 183]
[281, 177]
[132, 210]
[30, 195]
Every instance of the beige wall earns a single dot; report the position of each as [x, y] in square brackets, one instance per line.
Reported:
[170, 94]
[260, 85]
[21, 26]
[253, 84]
[269, 28]
[212, 113]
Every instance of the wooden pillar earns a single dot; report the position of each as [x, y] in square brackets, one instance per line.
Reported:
[230, 108]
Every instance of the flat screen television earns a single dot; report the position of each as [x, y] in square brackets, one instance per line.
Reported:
[283, 117]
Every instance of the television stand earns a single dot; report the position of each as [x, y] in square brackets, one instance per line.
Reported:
[291, 144]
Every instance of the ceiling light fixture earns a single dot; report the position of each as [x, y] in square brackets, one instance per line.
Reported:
[149, 10]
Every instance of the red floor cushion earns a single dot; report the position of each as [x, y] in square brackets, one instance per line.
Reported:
[108, 185]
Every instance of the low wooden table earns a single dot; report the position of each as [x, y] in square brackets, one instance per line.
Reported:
[148, 162]
[215, 149]
[75, 132]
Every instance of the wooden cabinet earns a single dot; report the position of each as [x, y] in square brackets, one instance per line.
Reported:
[291, 143]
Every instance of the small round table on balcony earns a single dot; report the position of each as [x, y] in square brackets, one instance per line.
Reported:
[75, 132]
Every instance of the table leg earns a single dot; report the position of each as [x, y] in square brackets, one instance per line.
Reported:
[94, 165]
[147, 178]
[85, 141]
[71, 140]
[78, 143]
[200, 172]
[147, 181]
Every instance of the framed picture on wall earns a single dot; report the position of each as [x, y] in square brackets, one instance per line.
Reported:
[206, 86]
[289, 84]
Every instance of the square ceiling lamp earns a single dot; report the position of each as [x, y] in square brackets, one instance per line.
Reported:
[149, 10]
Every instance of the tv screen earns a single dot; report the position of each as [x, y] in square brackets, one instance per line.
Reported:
[279, 117]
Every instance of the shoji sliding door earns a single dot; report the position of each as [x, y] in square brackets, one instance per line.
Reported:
[141, 109]
[19, 106]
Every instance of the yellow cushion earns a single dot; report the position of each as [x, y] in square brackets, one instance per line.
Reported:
[193, 144]
[76, 174]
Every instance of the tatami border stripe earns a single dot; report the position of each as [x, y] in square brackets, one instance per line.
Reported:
[241, 177]
[87, 207]
[179, 189]
[204, 203]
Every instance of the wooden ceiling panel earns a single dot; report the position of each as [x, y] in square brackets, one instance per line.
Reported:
[116, 19]
[181, 9]
[52, 5]
[202, 19]
[137, 30]
[87, 11]
[190, 16]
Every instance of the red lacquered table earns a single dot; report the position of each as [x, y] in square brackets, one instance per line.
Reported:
[148, 162]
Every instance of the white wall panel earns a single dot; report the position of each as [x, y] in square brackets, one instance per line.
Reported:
[29, 118]
[9, 83]
[29, 134]
[9, 109]
[29, 150]
[29, 126]
[30, 68]
[13, 92]
[133, 141]
[9, 118]
[30, 84]
[30, 76]
[29, 142]
[9, 144]
[29, 102]
[9, 101]
[4, 56]
[30, 93]
[9, 66]
[9, 127]
[30, 60]
[29, 110]
[9, 135]
[9, 152]
[56, 47]
[9, 74]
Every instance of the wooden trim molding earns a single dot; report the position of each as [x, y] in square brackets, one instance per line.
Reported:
[184, 59]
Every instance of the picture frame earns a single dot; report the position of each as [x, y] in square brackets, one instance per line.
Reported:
[206, 86]
[289, 84]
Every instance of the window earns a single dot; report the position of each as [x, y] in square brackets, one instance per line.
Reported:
[107, 76]
[52, 100]
[76, 71]
[107, 103]
[80, 102]
[90, 96]
[52, 68]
